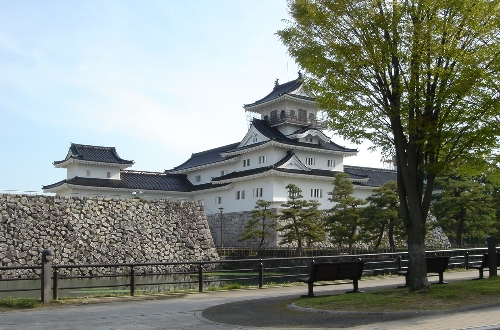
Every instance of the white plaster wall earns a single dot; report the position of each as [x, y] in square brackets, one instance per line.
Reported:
[321, 160]
[108, 193]
[96, 171]
[273, 190]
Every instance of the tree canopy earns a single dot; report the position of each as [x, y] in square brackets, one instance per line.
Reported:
[418, 78]
[261, 224]
[300, 220]
[344, 220]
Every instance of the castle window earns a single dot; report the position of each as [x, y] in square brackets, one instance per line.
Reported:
[262, 159]
[218, 200]
[310, 161]
[311, 117]
[302, 115]
[257, 192]
[282, 114]
[246, 162]
[274, 115]
[316, 193]
[108, 175]
[88, 173]
[331, 163]
[223, 173]
[197, 178]
[292, 114]
[240, 194]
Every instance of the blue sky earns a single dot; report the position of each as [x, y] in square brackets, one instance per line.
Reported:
[158, 80]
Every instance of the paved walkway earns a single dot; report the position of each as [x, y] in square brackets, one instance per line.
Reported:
[242, 309]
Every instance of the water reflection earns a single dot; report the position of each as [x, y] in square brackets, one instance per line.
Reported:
[75, 287]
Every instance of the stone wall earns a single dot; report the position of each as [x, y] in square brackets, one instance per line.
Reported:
[233, 225]
[84, 231]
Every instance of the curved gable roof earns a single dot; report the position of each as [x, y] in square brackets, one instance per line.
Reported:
[284, 89]
[94, 154]
[133, 180]
[274, 134]
[206, 157]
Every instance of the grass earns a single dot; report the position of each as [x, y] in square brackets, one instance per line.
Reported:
[19, 303]
[438, 297]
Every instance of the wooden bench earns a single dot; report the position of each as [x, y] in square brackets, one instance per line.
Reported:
[434, 265]
[484, 264]
[334, 271]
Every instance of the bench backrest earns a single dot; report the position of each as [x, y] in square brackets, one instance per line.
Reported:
[331, 271]
[436, 264]
[484, 260]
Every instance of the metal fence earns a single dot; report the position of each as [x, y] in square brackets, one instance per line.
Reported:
[128, 278]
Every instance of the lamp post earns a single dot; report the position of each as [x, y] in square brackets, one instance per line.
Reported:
[221, 209]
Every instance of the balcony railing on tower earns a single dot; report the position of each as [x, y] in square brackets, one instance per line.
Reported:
[283, 118]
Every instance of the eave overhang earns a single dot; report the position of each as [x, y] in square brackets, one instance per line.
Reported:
[277, 172]
[291, 97]
[273, 143]
[87, 162]
[313, 132]
[130, 190]
[204, 166]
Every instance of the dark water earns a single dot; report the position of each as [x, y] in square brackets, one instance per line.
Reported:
[121, 285]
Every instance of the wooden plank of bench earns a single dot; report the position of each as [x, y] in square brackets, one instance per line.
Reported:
[333, 271]
[433, 265]
[484, 264]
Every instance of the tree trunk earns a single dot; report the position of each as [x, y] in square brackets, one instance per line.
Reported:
[460, 228]
[414, 205]
[391, 235]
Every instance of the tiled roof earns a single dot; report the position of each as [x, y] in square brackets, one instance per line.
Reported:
[280, 90]
[377, 176]
[206, 157]
[134, 180]
[94, 154]
[275, 134]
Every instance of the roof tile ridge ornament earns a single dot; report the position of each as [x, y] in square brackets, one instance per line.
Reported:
[276, 83]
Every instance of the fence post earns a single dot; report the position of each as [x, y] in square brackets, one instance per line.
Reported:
[55, 284]
[132, 280]
[466, 260]
[261, 274]
[200, 276]
[492, 255]
[399, 262]
[47, 256]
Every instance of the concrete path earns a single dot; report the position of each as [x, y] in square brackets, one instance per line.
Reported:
[245, 309]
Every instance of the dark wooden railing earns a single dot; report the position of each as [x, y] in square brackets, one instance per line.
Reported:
[202, 274]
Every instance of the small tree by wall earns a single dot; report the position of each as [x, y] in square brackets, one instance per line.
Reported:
[345, 217]
[382, 218]
[261, 223]
[300, 220]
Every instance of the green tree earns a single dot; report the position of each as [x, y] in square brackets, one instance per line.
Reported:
[261, 223]
[382, 216]
[418, 78]
[344, 221]
[464, 207]
[300, 220]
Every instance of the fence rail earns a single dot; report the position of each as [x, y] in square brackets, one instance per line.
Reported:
[201, 275]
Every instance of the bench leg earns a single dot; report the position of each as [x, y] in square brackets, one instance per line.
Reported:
[355, 285]
[441, 279]
[310, 292]
[406, 282]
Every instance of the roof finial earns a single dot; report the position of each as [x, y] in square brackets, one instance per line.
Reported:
[300, 75]
[276, 83]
